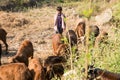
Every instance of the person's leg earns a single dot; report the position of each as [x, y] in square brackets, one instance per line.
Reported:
[56, 32]
[60, 30]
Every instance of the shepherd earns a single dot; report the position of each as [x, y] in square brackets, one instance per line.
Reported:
[59, 21]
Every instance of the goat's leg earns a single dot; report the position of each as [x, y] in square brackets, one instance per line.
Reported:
[6, 45]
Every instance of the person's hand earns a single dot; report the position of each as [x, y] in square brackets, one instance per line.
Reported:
[55, 28]
[64, 29]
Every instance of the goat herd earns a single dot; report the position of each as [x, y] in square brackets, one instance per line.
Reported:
[23, 66]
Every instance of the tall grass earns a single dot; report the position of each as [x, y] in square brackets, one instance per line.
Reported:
[106, 56]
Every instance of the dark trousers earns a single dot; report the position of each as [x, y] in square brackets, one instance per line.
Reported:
[59, 30]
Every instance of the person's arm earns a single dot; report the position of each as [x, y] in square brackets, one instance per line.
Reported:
[55, 25]
[63, 22]
[55, 19]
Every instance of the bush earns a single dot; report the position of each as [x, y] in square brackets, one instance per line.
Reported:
[107, 56]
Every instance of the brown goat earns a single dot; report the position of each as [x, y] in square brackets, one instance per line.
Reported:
[54, 67]
[94, 30]
[103, 36]
[106, 75]
[58, 46]
[80, 29]
[93, 33]
[73, 37]
[24, 52]
[15, 71]
[3, 35]
[100, 74]
[36, 69]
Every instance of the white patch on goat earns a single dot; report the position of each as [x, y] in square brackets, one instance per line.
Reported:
[69, 73]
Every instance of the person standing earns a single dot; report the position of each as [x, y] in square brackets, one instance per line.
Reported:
[59, 21]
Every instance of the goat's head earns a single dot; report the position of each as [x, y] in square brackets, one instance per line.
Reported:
[93, 72]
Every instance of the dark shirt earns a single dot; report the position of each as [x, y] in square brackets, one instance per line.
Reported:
[59, 21]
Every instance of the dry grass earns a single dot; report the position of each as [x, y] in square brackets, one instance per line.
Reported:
[39, 30]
